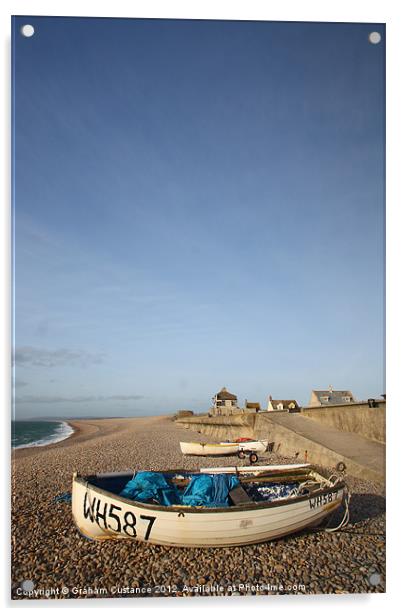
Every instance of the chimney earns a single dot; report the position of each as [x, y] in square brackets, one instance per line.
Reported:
[270, 398]
[330, 389]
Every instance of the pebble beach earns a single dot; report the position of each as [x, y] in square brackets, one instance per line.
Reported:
[50, 559]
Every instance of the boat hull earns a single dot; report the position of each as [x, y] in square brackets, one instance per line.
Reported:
[209, 449]
[102, 515]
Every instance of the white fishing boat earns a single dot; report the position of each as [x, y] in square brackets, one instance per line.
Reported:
[209, 449]
[101, 512]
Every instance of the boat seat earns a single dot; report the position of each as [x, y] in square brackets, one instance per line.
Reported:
[239, 496]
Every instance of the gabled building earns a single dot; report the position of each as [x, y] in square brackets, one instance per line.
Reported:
[282, 405]
[325, 397]
[224, 403]
[252, 407]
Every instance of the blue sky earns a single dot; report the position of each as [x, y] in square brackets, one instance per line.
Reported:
[196, 205]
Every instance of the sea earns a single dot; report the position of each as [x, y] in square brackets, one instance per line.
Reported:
[38, 433]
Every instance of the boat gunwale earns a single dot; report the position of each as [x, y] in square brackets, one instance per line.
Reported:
[257, 440]
[222, 444]
[85, 481]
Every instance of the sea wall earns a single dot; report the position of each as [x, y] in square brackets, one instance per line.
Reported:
[222, 427]
[282, 440]
[289, 443]
[357, 417]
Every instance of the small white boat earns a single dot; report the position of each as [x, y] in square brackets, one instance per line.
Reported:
[209, 449]
[100, 512]
[257, 446]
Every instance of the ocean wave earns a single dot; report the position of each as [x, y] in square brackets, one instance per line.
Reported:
[63, 431]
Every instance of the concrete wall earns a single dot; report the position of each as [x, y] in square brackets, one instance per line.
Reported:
[223, 411]
[356, 417]
[282, 440]
[291, 444]
[222, 427]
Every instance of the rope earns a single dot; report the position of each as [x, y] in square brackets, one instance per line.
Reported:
[346, 515]
[307, 485]
[334, 479]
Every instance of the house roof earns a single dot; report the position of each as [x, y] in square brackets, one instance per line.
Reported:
[252, 405]
[334, 396]
[224, 394]
[286, 403]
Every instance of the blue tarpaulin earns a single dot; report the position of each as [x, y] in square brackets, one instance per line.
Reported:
[202, 491]
[148, 486]
[209, 490]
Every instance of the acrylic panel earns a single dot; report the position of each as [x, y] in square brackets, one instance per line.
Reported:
[198, 308]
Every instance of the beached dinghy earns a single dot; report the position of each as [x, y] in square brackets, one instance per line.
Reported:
[209, 449]
[212, 509]
[257, 446]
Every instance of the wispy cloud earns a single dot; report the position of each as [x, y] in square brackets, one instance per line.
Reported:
[33, 356]
[74, 399]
